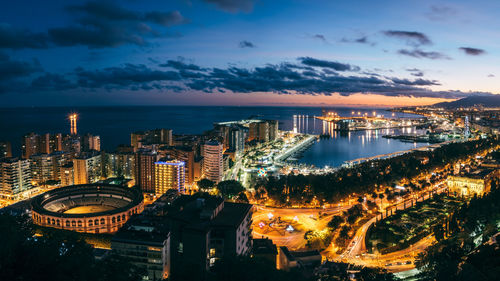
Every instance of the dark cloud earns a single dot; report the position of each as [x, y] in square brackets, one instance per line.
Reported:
[412, 38]
[416, 82]
[51, 82]
[13, 69]
[308, 76]
[472, 51]
[13, 73]
[420, 54]
[233, 6]
[246, 44]
[491, 75]
[415, 72]
[181, 65]
[360, 40]
[320, 37]
[441, 12]
[105, 24]
[17, 38]
[327, 64]
[123, 77]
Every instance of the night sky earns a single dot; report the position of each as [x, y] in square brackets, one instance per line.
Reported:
[247, 52]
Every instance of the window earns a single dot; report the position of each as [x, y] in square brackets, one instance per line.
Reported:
[113, 220]
[96, 222]
[67, 223]
[103, 221]
[79, 223]
[180, 248]
[73, 223]
[90, 222]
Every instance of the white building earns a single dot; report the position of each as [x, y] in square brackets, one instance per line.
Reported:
[213, 167]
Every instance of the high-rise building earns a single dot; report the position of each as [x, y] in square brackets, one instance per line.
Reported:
[237, 137]
[72, 144]
[182, 153]
[47, 167]
[145, 242]
[145, 176]
[169, 174]
[87, 168]
[213, 167]
[5, 149]
[67, 174]
[42, 169]
[91, 142]
[36, 144]
[204, 230]
[15, 178]
[157, 136]
[263, 131]
[120, 164]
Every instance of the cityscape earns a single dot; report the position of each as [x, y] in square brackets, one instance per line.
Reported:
[156, 151]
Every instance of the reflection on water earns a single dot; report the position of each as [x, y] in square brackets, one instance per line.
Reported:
[336, 147]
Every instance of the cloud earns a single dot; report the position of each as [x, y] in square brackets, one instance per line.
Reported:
[412, 38]
[166, 18]
[51, 82]
[307, 76]
[13, 69]
[320, 37]
[246, 44]
[416, 82]
[415, 72]
[181, 65]
[360, 40]
[417, 53]
[233, 6]
[128, 76]
[327, 64]
[472, 51]
[105, 24]
[14, 72]
[491, 75]
[17, 38]
[441, 12]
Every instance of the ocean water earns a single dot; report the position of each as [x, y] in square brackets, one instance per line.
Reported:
[114, 125]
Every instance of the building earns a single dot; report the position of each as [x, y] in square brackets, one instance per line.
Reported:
[291, 259]
[67, 174]
[36, 144]
[477, 182]
[205, 229]
[15, 179]
[265, 248]
[87, 168]
[145, 242]
[5, 149]
[120, 164]
[213, 167]
[169, 174]
[263, 131]
[182, 153]
[91, 142]
[157, 136]
[47, 167]
[145, 176]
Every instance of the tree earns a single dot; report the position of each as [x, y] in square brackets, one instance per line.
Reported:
[335, 222]
[57, 255]
[438, 232]
[230, 188]
[206, 184]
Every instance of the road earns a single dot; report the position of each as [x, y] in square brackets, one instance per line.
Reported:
[396, 261]
[307, 218]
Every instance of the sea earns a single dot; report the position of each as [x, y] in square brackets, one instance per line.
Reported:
[114, 125]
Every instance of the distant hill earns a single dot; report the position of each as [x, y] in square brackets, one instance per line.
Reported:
[486, 101]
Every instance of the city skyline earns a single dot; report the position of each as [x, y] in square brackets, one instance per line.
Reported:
[246, 52]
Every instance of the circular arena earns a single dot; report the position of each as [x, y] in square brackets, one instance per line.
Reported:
[90, 208]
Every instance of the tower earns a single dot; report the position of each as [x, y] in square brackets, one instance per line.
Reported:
[72, 118]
